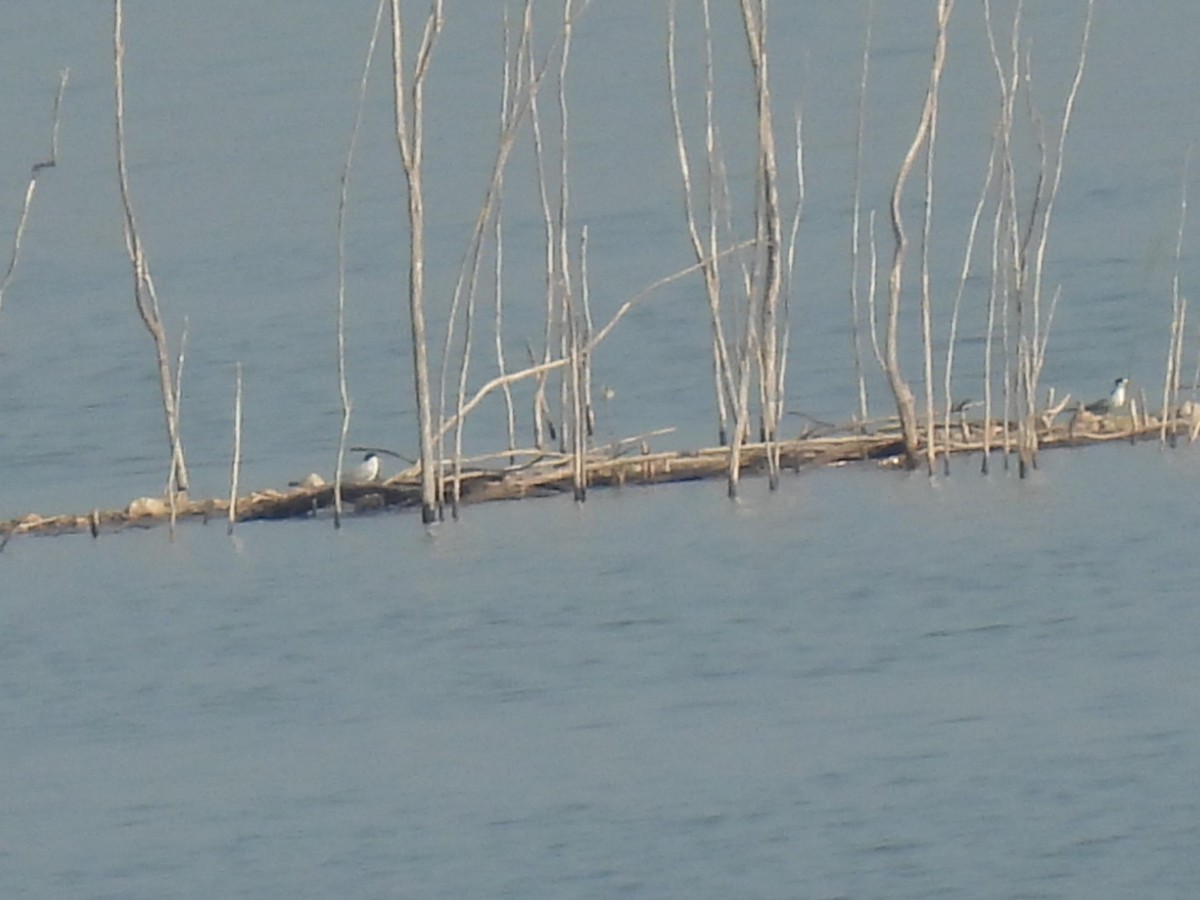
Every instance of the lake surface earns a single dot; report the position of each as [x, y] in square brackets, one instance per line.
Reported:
[866, 684]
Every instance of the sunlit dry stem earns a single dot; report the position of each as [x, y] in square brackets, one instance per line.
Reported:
[540, 406]
[1027, 274]
[1170, 402]
[964, 272]
[145, 296]
[48, 163]
[343, 195]
[722, 376]
[516, 98]
[578, 403]
[236, 466]
[173, 488]
[935, 80]
[769, 231]
[901, 392]
[589, 348]
[856, 219]
[410, 138]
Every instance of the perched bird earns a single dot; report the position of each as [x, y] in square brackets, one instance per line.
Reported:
[1113, 401]
[365, 472]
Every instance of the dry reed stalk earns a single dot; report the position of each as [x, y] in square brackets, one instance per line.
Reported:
[758, 347]
[236, 466]
[901, 391]
[872, 288]
[145, 297]
[578, 416]
[409, 103]
[468, 276]
[769, 233]
[790, 269]
[935, 80]
[540, 369]
[566, 301]
[48, 163]
[1173, 411]
[588, 325]
[723, 389]
[173, 488]
[1171, 379]
[542, 422]
[522, 92]
[786, 294]
[968, 254]
[1033, 333]
[989, 341]
[343, 195]
[1008, 247]
[856, 220]
[512, 70]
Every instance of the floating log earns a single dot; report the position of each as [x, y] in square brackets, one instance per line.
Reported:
[611, 466]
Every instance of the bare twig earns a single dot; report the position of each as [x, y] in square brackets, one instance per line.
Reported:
[236, 467]
[49, 163]
[409, 102]
[145, 297]
[343, 194]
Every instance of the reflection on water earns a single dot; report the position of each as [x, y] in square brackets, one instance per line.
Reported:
[866, 685]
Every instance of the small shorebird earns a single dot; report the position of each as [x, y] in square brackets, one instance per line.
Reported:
[1113, 401]
[365, 472]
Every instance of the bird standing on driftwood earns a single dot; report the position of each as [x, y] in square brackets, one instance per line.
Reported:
[365, 472]
[1114, 401]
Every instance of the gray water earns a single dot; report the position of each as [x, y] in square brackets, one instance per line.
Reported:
[866, 684]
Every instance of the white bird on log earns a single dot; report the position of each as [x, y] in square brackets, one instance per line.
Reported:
[366, 472]
[1113, 401]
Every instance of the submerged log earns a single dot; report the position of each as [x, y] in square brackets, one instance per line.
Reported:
[611, 466]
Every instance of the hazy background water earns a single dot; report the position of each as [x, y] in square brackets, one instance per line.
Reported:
[865, 685]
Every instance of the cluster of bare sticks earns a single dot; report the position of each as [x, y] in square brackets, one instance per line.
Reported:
[748, 281]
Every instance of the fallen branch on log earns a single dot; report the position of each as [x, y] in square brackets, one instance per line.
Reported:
[546, 474]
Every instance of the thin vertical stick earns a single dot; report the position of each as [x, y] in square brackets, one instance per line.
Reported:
[49, 163]
[968, 254]
[722, 387]
[564, 194]
[343, 195]
[1007, 269]
[538, 369]
[585, 362]
[790, 269]
[466, 285]
[872, 290]
[1178, 316]
[989, 343]
[541, 422]
[237, 450]
[173, 487]
[935, 81]
[410, 138]
[513, 70]
[856, 222]
[1175, 387]
[145, 297]
[578, 357]
[901, 391]
[769, 233]
[1040, 335]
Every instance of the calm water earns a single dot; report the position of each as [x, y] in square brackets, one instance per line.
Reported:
[865, 685]
[849, 689]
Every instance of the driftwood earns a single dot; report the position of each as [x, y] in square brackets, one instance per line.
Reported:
[626, 462]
